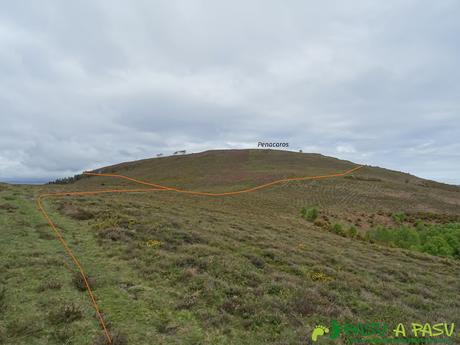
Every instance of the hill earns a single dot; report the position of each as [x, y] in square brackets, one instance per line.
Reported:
[370, 189]
[252, 268]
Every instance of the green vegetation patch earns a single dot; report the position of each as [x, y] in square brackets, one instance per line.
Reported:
[310, 214]
[439, 239]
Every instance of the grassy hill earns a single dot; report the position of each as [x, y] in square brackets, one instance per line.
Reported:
[170, 268]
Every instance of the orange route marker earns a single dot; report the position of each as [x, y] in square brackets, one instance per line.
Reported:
[157, 187]
[165, 188]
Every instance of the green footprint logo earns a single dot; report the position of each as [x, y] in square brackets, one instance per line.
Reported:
[318, 331]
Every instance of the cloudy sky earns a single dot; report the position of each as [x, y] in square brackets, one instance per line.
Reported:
[89, 83]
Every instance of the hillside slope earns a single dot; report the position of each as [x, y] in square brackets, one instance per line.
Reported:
[369, 189]
[172, 268]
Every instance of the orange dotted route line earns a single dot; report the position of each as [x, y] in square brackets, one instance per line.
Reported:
[157, 187]
[166, 188]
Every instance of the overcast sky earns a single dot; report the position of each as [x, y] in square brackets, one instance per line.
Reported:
[89, 83]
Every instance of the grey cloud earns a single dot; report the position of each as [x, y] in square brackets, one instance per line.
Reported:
[96, 82]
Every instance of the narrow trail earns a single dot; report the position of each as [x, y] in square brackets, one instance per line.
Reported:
[157, 187]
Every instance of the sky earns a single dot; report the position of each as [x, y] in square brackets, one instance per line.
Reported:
[85, 84]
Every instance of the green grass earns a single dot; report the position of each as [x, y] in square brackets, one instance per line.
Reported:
[237, 270]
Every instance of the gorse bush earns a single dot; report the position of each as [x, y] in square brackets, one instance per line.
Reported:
[337, 228]
[309, 214]
[399, 217]
[352, 231]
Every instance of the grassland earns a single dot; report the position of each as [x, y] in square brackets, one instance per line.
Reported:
[169, 268]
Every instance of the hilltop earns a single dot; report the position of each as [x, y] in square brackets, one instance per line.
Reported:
[254, 268]
[371, 188]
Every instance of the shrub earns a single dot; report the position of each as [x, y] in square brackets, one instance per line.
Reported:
[188, 300]
[81, 214]
[399, 217]
[352, 231]
[305, 302]
[44, 232]
[420, 225]
[438, 246]
[303, 212]
[319, 223]
[65, 314]
[256, 261]
[274, 289]
[337, 229]
[440, 240]
[79, 282]
[114, 234]
[78, 213]
[49, 285]
[406, 238]
[239, 306]
[309, 214]
[380, 234]
[453, 239]
[164, 323]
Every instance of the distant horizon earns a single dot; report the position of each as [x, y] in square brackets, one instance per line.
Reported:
[26, 182]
